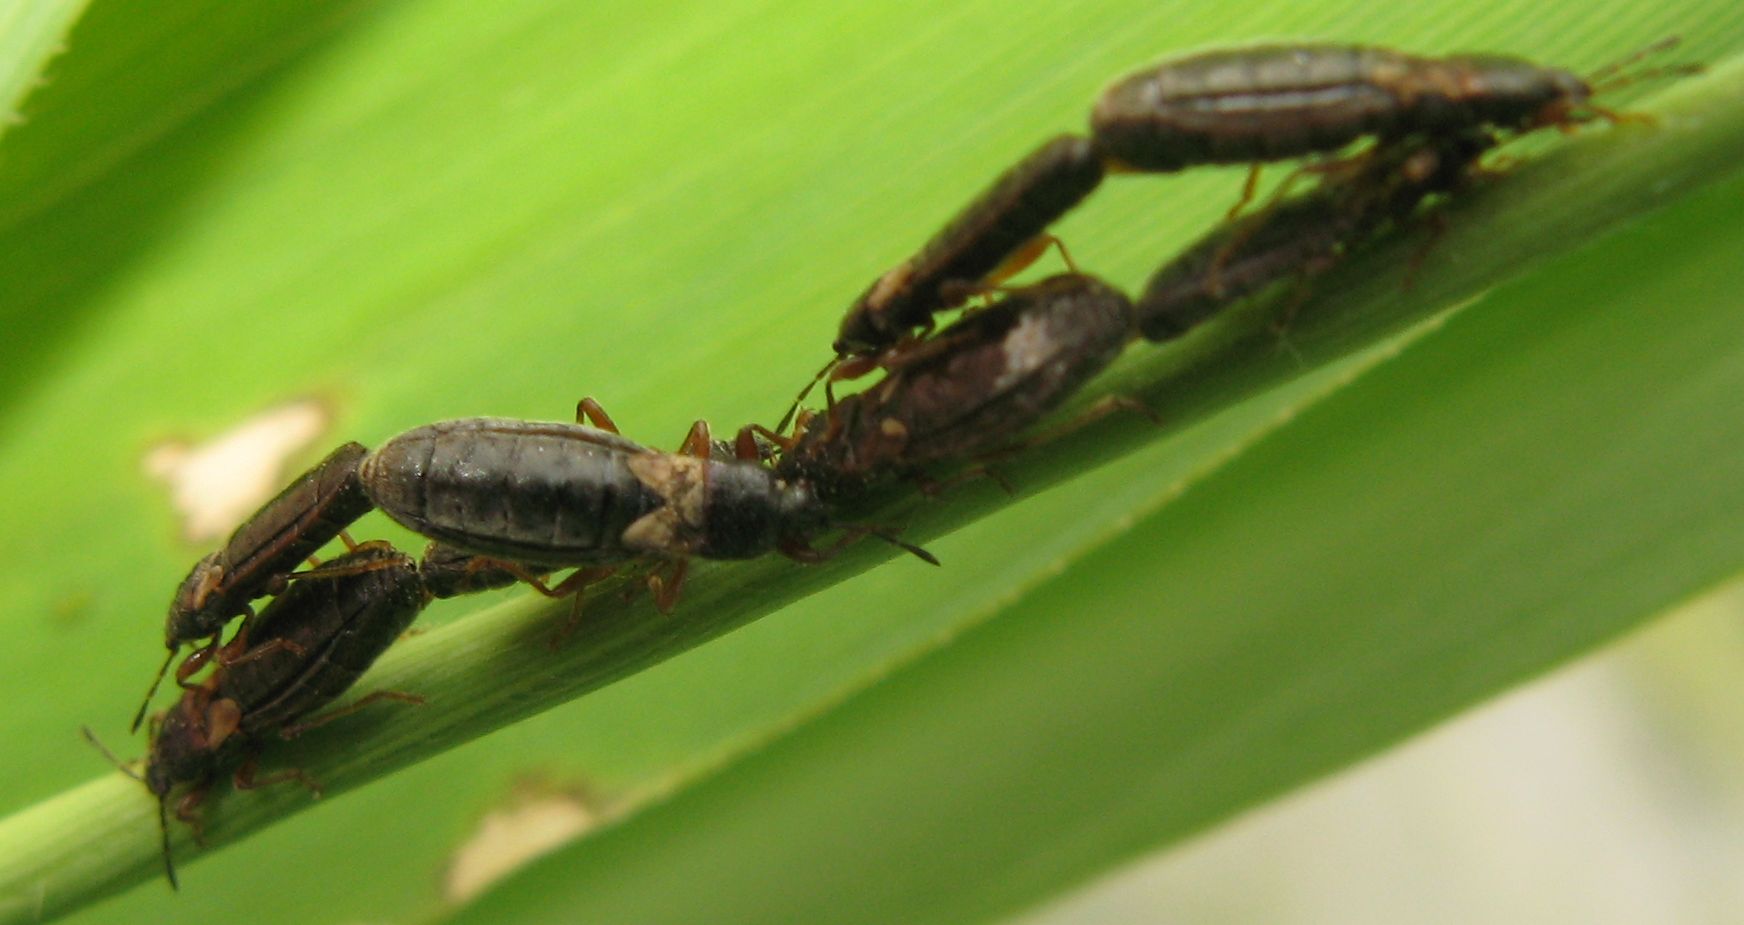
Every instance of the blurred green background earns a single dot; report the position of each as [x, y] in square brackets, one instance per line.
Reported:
[419, 210]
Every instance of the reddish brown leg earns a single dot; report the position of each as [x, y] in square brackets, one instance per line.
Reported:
[1256, 221]
[1065, 255]
[188, 812]
[195, 661]
[588, 411]
[666, 590]
[986, 467]
[478, 564]
[850, 368]
[802, 424]
[1620, 118]
[572, 588]
[1248, 188]
[697, 442]
[1226, 253]
[198, 658]
[249, 655]
[1437, 225]
[578, 580]
[1019, 260]
[1105, 406]
[799, 551]
[933, 488]
[350, 544]
[521, 573]
[746, 447]
[245, 778]
[1025, 256]
[327, 572]
[568, 627]
[297, 729]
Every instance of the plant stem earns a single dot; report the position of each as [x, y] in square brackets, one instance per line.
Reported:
[495, 667]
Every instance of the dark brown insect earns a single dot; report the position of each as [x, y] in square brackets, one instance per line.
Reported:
[1308, 234]
[969, 390]
[1243, 105]
[308, 646]
[999, 233]
[450, 572]
[541, 496]
[332, 625]
[561, 495]
[260, 555]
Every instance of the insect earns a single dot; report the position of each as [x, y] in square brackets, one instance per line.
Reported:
[331, 627]
[259, 557]
[308, 646]
[965, 392]
[1307, 234]
[998, 234]
[543, 496]
[1271, 102]
[450, 572]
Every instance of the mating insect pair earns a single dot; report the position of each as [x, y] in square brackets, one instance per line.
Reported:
[303, 650]
[970, 390]
[1222, 107]
[504, 499]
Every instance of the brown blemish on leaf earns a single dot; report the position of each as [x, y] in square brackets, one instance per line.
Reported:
[537, 819]
[216, 484]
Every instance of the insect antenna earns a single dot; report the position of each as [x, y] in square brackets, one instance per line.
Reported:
[891, 538]
[792, 409]
[140, 716]
[163, 822]
[1612, 76]
[163, 834]
[103, 750]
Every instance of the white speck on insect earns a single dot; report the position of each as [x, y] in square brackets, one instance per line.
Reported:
[1027, 347]
[214, 485]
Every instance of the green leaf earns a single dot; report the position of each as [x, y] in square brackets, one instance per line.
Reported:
[31, 33]
[1273, 622]
[418, 211]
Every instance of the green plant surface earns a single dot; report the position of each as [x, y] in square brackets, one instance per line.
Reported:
[31, 33]
[425, 211]
[1038, 750]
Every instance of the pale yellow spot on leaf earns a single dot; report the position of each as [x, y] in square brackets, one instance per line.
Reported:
[512, 836]
[215, 485]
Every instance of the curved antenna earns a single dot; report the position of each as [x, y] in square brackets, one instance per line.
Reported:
[163, 821]
[163, 829]
[891, 538]
[1611, 76]
[792, 409]
[1653, 48]
[140, 716]
[103, 750]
